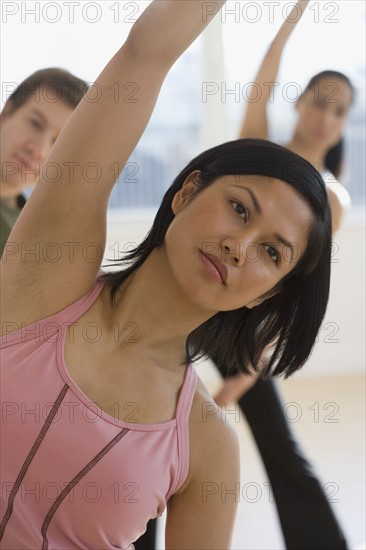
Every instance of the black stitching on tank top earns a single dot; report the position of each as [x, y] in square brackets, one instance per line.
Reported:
[30, 457]
[74, 481]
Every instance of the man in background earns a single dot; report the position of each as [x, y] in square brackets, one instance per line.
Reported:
[30, 123]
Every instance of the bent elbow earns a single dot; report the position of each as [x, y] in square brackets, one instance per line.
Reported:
[339, 202]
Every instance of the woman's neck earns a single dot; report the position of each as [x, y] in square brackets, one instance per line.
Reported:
[161, 312]
[311, 153]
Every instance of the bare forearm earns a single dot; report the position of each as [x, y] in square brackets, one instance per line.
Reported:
[255, 121]
[167, 27]
[138, 69]
[269, 68]
[235, 387]
[291, 22]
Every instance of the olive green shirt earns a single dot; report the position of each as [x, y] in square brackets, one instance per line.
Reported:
[8, 217]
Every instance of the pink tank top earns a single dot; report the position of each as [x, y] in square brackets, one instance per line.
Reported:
[72, 476]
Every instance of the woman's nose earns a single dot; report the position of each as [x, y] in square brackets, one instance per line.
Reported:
[235, 251]
[327, 118]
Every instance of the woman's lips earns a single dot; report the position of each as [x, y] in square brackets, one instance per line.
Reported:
[321, 134]
[215, 267]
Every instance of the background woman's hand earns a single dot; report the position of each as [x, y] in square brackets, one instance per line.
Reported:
[235, 387]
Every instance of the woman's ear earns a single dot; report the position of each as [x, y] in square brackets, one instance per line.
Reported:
[186, 192]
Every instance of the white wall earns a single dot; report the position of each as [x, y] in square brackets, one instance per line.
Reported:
[341, 346]
[346, 308]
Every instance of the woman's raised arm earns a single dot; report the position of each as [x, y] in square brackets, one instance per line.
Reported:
[106, 131]
[255, 123]
[68, 206]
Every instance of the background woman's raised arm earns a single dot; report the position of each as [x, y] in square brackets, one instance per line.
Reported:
[255, 124]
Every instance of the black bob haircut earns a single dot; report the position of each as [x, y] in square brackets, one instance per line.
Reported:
[290, 320]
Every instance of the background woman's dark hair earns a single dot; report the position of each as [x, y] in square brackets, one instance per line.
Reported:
[334, 158]
[293, 317]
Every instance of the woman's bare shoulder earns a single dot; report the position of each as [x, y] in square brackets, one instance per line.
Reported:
[213, 440]
[208, 417]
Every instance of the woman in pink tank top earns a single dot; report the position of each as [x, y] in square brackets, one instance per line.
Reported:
[104, 421]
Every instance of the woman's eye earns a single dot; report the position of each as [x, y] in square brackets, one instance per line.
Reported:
[273, 253]
[340, 113]
[36, 123]
[240, 209]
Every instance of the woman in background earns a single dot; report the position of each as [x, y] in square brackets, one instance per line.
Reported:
[30, 123]
[308, 521]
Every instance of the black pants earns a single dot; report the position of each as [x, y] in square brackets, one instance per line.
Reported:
[148, 539]
[306, 517]
[307, 520]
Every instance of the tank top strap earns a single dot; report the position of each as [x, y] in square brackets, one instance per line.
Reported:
[71, 313]
[186, 394]
[182, 416]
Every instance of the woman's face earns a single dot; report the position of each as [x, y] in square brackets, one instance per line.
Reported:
[255, 228]
[323, 112]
